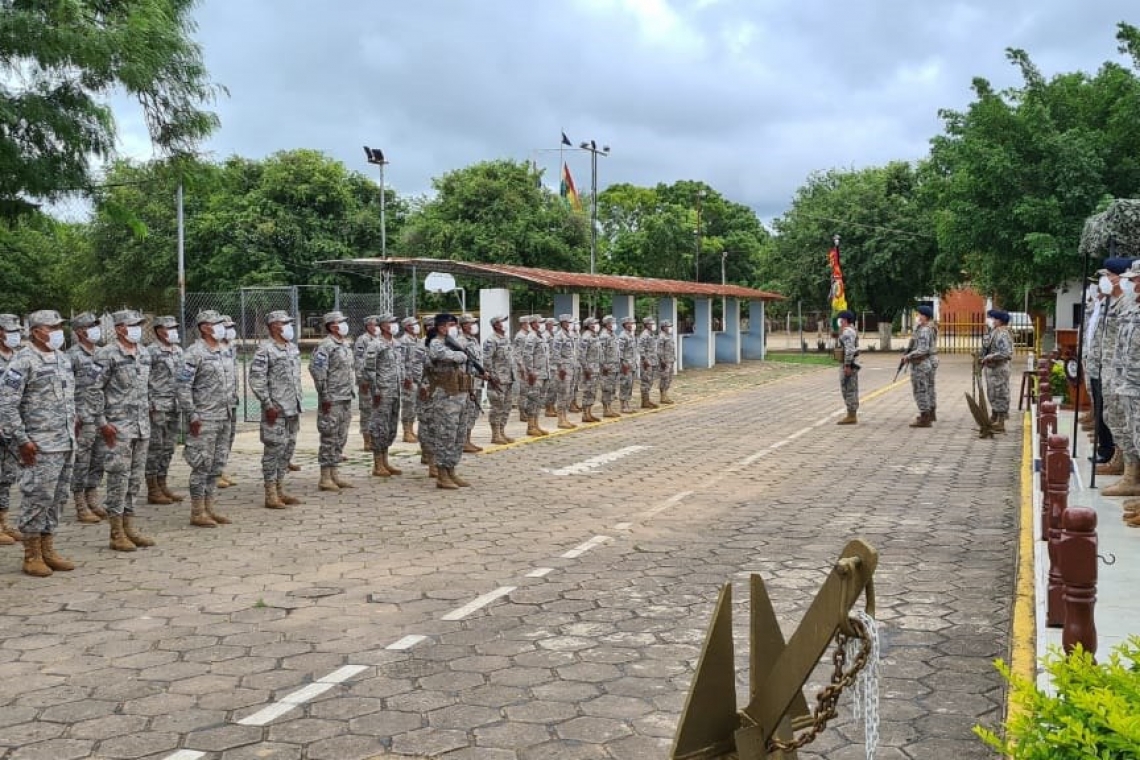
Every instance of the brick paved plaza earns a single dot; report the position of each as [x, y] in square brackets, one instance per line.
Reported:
[554, 611]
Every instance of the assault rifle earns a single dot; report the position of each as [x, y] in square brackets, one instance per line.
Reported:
[471, 360]
[979, 408]
[902, 360]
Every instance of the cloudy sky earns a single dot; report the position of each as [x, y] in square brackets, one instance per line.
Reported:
[747, 95]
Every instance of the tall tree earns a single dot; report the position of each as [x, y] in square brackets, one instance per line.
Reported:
[62, 60]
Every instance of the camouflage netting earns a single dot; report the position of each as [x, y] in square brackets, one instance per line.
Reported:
[1120, 220]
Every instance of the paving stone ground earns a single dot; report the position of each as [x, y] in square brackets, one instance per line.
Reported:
[141, 655]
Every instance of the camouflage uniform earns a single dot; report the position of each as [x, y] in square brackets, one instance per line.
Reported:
[499, 356]
[627, 349]
[275, 379]
[448, 392]
[90, 451]
[230, 351]
[565, 357]
[610, 360]
[383, 369]
[1113, 409]
[364, 402]
[922, 369]
[536, 364]
[1094, 349]
[550, 395]
[521, 348]
[849, 378]
[590, 360]
[647, 352]
[1126, 375]
[666, 360]
[9, 465]
[997, 350]
[164, 363]
[37, 405]
[414, 351]
[474, 350]
[331, 369]
[121, 399]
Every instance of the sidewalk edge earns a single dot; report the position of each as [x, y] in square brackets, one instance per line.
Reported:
[1023, 648]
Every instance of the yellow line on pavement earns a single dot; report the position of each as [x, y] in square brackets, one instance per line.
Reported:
[883, 390]
[1023, 649]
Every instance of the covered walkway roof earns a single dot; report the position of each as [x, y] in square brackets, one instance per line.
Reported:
[554, 280]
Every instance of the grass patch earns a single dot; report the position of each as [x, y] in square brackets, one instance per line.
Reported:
[796, 357]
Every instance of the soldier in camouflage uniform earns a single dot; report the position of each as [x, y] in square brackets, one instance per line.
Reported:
[230, 351]
[627, 348]
[610, 365]
[499, 357]
[275, 378]
[666, 361]
[119, 402]
[590, 361]
[520, 350]
[576, 376]
[469, 339]
[165, 359]
[11, 336]
[448, 391]
[383, 373]
[364, 403]
[37, 415]
[647, 353]
[205, 387]
[849, 372]
[1122, 386]
[997, 352]
[414, 353]
[537, 361]
[331, 369]
[90, 451]
[564, 356]
[1109, 332]
[921, 367]
[1094, 342]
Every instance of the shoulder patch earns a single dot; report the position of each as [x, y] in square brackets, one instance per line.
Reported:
[320, 360]
[186, 374]
[13, 378]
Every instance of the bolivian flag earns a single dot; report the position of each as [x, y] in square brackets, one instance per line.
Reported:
[838, 293]
[568, 191]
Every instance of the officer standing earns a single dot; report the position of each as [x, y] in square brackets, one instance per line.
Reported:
[413, 352]
[469, 339]
[205, 392]
[627, 348]
[230, 351]
[522, 347]
[997, 352]
[647, 352]
[500, 363]
[549, 329]
[666, 360]
[576, 377]
[11, 336]
[120, 405]
[610, 364]
[565, 357]
[331, 369]
[383, 369]
[849, 372]
[165, 359]
[590, 358]
[921, 366]
[537, 359]
[275, 379]
[364, 403]
[37, 413]
[90, 451]
[422, 395]
[449, 385]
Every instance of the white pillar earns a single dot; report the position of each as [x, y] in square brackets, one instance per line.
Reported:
[727, 348]
[492, 302]
[753, 344]
[699, 347]
[667, 311]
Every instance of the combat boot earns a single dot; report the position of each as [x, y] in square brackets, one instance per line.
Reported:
[119, 541]
[367, 445]
[921, 421]
[588, 415]
[217, 517]
[51, 559]
[443, 479]
[82, 513]
[154, 494]
[451, 473]
[1114, 466]
[198, 516]
[851, 419]
[625, 407]
[469, 446]
[166, 490]
[1131, 507]
[6, 540]
[665, 397]
[564, 423]
[272, 499]
[998, 425]
[503, 430]
[34, 564]
[608, 411]
[1133, 521]
[388, 464]
[334, 473]
[285, 498]
[294, 467]
[136, 538]
[326, 483]
[378, 468]
[498, 438]
[409, 435]
[647, 402]
[574, 407]
[93, 504]
[933, 414]
[522, 415]
[224, 481]
[9, 530]
[532, 428]
[551, 411]
[1128, 485]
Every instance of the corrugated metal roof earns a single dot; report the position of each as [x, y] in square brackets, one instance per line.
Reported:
[555, 280]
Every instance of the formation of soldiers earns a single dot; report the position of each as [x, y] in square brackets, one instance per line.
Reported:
[110, 407]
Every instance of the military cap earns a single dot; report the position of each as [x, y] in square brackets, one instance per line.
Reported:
[44, 318]
[169, 322]
[384, 319]
[648, 320]
[279, 315]
[128, 317]
[444, 318]
[535, 317]
[209, 317]
[926, 311]
[1115, 265]
[666, 323]
[373, 319]
[83, 320]
[550, 321]
[565, 317]
[429, 321]
[467, 319]
[332, 316]
[9, 322]
[999, 314]
[589, 321]
[524, 319]
[408, 321]
[499, 319]
[227, 319]
[608, 319]
[846, 314]
[627, 320]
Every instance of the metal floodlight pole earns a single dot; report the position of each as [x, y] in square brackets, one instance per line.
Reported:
[1081, 362]
[181, 269]
[375, 157]
[595, 151]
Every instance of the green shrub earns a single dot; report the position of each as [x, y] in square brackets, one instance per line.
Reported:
[1059, 382]
[1094, 713]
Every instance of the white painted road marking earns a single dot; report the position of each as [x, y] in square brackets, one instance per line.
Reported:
[651, 512]
[186, 754]
[587, 466]
[623, 526]
[585, 546]
[407, 642]
[342, 674]
[539, 572]
[478, 603]
[266, 715]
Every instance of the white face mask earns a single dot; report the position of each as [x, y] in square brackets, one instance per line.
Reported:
[474, 330]
[651, 327]
[395, 328]
[134, 333]
[218, 331]
[12, 339]
[595, 328]
[55, 340]
[666, 330]
[287, 331]
[990, 322]
[453, 331]
[342, 329]
[415, 328]
[231, 333]
[540, 328]
[95, 334]
[574, 329]
[172, 335]
[1105, 284]
[1127, 286]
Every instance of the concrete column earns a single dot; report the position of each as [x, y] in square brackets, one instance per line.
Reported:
[567, 303]
[623, 306]
[728, 339]
[754, 346]
[667, 310]
[493, 302]
[699, 348]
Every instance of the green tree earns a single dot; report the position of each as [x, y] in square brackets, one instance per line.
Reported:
[62, 60]
[34, 267]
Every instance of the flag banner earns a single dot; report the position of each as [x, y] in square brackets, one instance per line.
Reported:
[838, 293]
[568, 191]
[566, 140]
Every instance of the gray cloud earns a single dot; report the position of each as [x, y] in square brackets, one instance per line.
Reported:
[747, 95]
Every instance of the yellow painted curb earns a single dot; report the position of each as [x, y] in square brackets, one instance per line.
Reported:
[885, 389]
[1023, 647]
